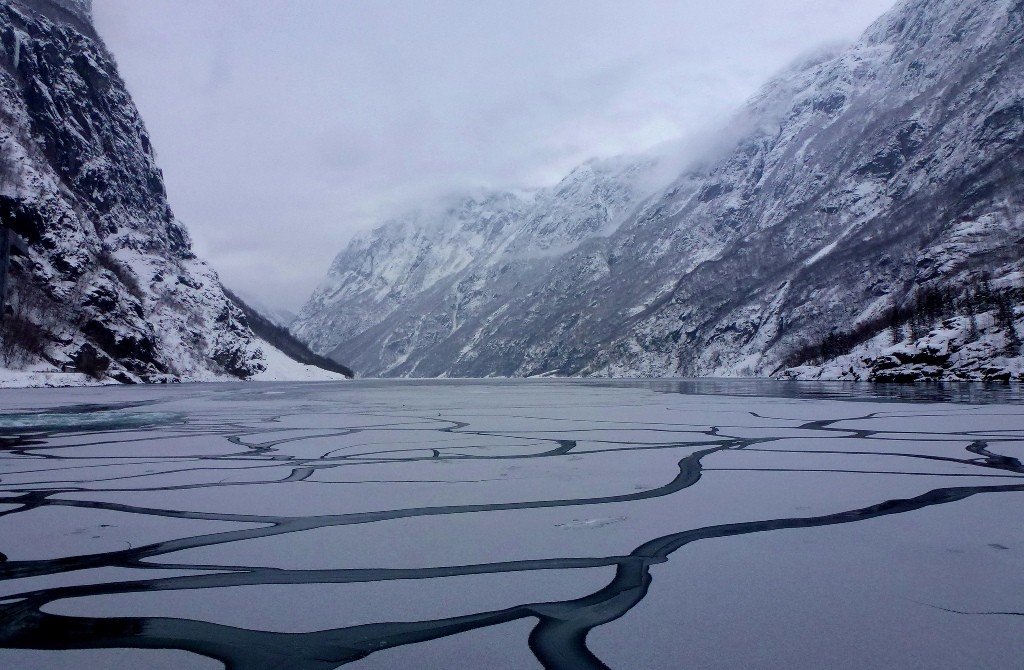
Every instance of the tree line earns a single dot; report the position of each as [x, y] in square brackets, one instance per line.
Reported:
[928, 308]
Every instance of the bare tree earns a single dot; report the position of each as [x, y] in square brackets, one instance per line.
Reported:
[24, 334]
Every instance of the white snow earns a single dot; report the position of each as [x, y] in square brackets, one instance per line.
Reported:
[44, 375]
[825, 251]
[281, 368]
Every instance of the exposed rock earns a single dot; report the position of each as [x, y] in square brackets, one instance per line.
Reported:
[947, 353]
[857, 176]
[122, 292]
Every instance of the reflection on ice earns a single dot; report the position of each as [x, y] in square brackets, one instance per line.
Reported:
[513, 524]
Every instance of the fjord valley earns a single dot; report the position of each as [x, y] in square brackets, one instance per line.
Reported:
[627, 414]
[859, 218]
[853, 192]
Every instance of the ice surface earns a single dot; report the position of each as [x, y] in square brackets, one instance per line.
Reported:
[511, 524]
[885, 593]
[151, 659]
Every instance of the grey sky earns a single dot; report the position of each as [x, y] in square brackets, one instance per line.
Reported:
[282, 127]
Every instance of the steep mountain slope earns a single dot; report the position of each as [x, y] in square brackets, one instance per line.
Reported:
[413, 295]
[859, 178]
[111, 285]
[884, 154]
[276, 338]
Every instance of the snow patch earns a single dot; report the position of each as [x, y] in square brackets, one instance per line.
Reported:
[282, 368]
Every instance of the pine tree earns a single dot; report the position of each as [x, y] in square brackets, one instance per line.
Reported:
[1005, 316]
[970, 304]
[985, 294]
[918, 317]
[895, 326]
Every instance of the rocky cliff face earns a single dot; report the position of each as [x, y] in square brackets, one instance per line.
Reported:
[419, 292]
[111, 285]
[859, 178]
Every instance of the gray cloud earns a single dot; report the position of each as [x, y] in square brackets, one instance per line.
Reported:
[282, 127]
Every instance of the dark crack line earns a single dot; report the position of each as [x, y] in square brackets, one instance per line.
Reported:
[558, 640]
[688, 475]
[953, 611]
[866, 472]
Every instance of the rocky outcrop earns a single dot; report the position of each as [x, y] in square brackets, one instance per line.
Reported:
[959, 349]
[420, 292]
[111, 284]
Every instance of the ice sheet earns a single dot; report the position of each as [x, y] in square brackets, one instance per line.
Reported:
[500, 523]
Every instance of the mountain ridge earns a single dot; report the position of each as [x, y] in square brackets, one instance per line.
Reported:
[850, 179]
[110, 286]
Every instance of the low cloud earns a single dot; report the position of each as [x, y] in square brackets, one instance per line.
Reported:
[282, 128]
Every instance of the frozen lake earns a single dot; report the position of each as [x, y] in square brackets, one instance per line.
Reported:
[512, 524]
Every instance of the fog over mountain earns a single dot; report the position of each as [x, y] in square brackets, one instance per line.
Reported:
[866, 197]
[273, 118]
[858, 217]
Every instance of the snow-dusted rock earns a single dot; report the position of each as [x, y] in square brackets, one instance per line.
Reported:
[855, 177]
[416, 294]
[111, 281]
[950, 352]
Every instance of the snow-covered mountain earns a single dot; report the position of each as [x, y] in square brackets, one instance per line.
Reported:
[413, 295]
[110, 286]
[855, 180]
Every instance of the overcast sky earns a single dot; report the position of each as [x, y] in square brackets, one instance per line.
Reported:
[283, 127]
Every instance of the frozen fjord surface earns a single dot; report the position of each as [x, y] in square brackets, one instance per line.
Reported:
[512, 524]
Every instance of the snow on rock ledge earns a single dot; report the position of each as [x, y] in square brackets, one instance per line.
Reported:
[947, 353]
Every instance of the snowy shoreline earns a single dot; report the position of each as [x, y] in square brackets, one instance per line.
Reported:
[280, 368]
